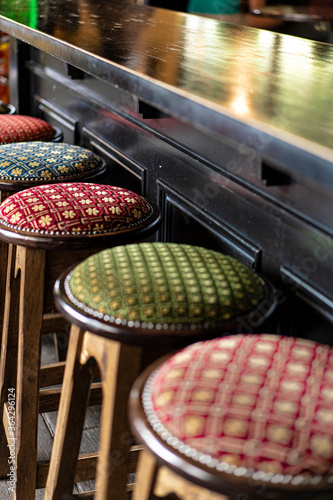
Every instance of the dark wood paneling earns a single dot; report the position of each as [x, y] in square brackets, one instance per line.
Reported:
[56, 116]
[122, 171]
[185, 222]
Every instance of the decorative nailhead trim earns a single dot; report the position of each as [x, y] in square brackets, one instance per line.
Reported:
[53, 178]
[202, 458]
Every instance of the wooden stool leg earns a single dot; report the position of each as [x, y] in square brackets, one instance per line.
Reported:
[32, 263]
[146, 477]
[8, 363]
[119, 365]
[3, 265]
[3, 274]
[70, 421]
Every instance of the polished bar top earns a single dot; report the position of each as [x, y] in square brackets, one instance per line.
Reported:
[216, 75]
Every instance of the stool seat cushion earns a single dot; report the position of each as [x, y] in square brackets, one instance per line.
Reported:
[20, 128]
[259, 402]
[46, 161]
[164, 284]
[73, 208]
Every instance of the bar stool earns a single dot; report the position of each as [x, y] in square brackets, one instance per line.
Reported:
[129, 304]
[247, 416]
[21, 128]
[7, 109]
[48, 228]
[26, 164]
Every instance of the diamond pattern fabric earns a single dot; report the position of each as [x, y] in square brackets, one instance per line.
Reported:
[262, 402]
[164, 283]
[46, 161]
[20, 128]
[74, 208]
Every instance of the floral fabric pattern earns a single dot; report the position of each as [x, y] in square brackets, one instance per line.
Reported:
[74, 208]
[165, 283]
[46, 161]
[262, 402]
[20, 128]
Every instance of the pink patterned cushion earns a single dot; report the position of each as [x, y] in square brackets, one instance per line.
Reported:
[72, 208]
[261, 402]
[19, 128]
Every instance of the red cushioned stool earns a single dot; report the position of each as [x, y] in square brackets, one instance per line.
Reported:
[48, 228]
[128, 304]
[243, 416]
[27, 164]
[21, 128]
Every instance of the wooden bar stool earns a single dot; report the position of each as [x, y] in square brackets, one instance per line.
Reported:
[21, 128]
[7, 109]
[129, 304]
[27, 164]
[49, 228]
[247, 416]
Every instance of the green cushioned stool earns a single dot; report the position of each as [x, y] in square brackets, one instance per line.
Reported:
[127, 305]
[50, 227]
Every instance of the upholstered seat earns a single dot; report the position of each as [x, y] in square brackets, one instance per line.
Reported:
[165, 286]
[71, 209]
[50, 227]
[238, 412]
[20, 128]
[131, 303]
[26, 164]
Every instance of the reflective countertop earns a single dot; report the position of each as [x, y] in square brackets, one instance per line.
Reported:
[195, 68]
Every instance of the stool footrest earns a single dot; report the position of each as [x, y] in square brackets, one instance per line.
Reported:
[87, 495]
[54, 322]
[86, 468]
[52, 374]
[49, 398]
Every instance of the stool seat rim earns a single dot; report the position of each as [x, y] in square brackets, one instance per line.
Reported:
[173, 334]
[10, 109]
[54, 241]
[231, 479]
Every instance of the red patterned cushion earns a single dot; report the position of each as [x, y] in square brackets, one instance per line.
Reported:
[19, 128]
[261, 402]
[71, 208]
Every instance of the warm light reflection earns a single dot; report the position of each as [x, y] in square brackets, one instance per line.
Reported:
[293, 45]
[239, 104]
[266, 39]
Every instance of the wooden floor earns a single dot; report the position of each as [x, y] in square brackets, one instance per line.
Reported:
[47, 423]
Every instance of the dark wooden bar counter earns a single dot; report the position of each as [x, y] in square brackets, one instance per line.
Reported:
[228, 128]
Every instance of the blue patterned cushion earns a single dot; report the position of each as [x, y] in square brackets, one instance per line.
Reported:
[46, 161]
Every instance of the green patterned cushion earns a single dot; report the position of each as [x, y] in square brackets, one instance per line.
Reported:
[163, 284]
[46, 162]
